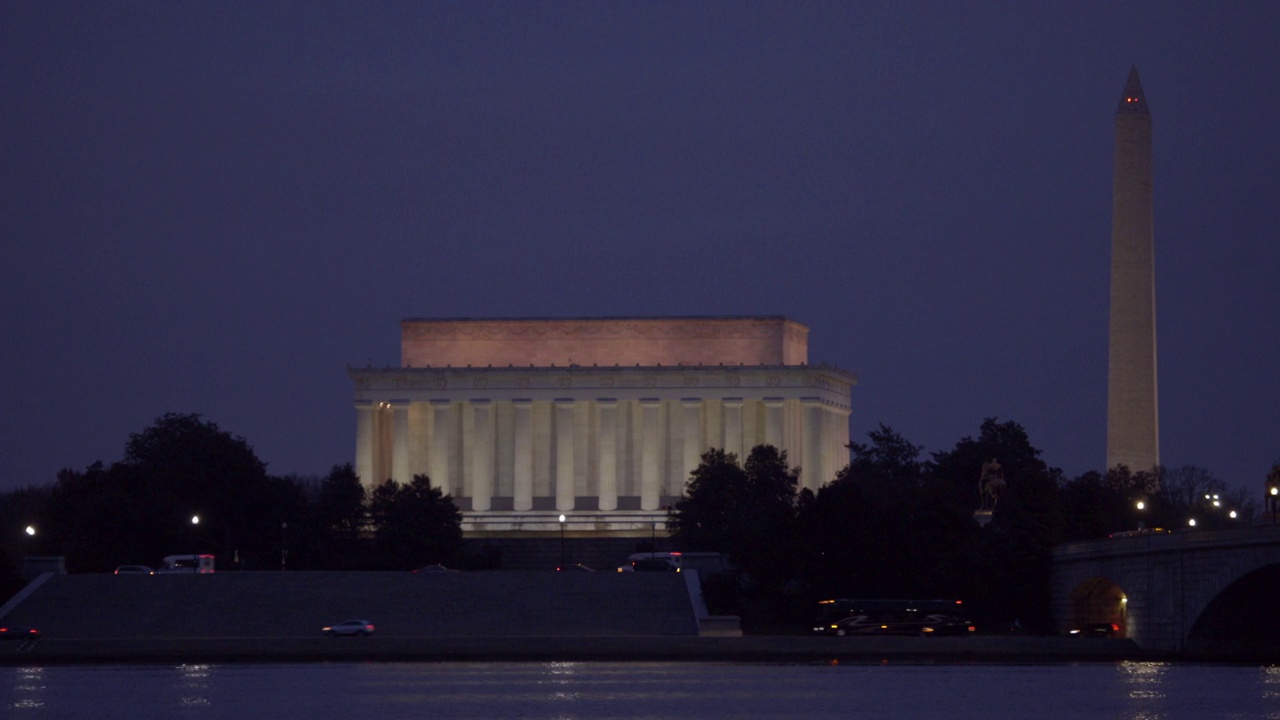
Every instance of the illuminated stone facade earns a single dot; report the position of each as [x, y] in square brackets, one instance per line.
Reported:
[598, 419]
[1133, 415]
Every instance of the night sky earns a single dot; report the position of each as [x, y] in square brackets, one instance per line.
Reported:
[216, 207]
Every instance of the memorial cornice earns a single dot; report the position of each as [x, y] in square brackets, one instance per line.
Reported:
[689, 378]
[619, 328]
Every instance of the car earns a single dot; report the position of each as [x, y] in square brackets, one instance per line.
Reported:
[350, 628]
[1096, 630]
[134, 570]
[19, 632]
[653, 565]
[437, 568]
[576, 567]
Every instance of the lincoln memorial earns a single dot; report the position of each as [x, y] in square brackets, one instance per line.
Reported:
[601, 419]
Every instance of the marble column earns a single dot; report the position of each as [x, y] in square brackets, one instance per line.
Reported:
[522, 479]
[693, 445]
[733, 427]
[439, 453]
[608, 439]
[811, 461]
[482, 455]
[400, 441]
[650, 458]
[364, 441]
[564, 454]
[773, 421]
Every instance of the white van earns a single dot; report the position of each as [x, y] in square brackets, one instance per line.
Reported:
[648, 561]
[199, 564]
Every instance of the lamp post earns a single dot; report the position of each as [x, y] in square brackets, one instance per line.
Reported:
[1141, 506]
[561, 541]
[284, 553]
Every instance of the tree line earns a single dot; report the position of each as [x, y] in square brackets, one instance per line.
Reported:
[892, 523]
[186, 486]
[896, 524]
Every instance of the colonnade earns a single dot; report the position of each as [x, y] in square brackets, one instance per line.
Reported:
[598, 452]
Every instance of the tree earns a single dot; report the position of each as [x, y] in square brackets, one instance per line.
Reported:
[885, 528]
[701, 518]
[1094, 505]
[414, 524]
[189, 466]
[341, 503]
[1191, 493]
[1013, 575]
[747, 513]
[742, 512]
[141, 508]
[889, 460]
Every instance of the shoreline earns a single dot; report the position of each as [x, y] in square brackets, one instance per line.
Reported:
[541, 649]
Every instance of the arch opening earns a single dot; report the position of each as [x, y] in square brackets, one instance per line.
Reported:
[1241, 618]
[1099, 608]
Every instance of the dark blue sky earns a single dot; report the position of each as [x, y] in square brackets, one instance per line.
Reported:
[215, 207]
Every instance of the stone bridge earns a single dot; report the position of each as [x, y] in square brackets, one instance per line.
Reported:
[1187, 591]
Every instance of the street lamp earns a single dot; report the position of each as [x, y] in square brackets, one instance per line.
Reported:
[562, 541]
[195, 519]
[284, 553]
[30, 531]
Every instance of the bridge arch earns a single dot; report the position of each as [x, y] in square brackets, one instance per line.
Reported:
[1098, 602]
[1178, 590]
[1240, 619]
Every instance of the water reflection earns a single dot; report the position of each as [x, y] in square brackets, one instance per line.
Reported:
[193, 685]
[28, 689]
[644, 691]
[1271, 683]
[1144, 682]
[562, 677]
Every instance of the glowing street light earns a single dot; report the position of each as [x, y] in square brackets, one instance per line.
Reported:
[30, 531]
[195, 519]
[1192, 522]
[562, 540]
[1140, 505]
[1232, 514]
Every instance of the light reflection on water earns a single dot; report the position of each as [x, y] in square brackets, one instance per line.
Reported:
[644, 691]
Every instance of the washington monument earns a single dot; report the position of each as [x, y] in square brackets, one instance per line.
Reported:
[1133, 428]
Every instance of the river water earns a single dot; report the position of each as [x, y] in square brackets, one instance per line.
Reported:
[647, 690]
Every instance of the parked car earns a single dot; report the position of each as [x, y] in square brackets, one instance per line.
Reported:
[354, 628]
[672, 559]
[19, 632]
[134, 570]
[653, 565]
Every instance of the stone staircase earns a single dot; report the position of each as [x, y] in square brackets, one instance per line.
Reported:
[298, 604]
